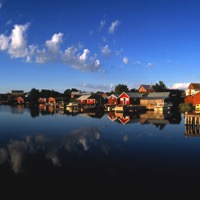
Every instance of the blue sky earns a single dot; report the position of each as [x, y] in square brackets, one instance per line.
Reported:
[94, 45]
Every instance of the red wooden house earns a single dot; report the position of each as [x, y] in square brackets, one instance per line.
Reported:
[91, 99]
[193, 99]
[51, 101]
[20, 100]
[113, 99]
[130, 98]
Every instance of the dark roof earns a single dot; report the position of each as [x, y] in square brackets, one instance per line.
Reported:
[194, 85]
[156, 95]
[134, 94]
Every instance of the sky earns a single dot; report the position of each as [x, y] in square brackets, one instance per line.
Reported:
[95, 45]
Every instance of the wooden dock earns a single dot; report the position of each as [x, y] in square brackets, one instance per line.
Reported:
[192, 124]
[129, 108]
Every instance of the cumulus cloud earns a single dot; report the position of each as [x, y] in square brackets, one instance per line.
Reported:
[113, 26]
[70, 57]
[180, 86]
[125, 60]
[106, 51]
[53, 45]
[3, 42]
[16, 46]
[83, 57]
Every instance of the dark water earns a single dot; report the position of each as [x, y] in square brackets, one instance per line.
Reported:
[45, 151]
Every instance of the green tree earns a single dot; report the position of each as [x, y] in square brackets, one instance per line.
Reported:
[34, 95]
[160, 87]
[120, 88]
[67, 93]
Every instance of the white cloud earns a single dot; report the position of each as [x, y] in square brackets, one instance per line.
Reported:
[3, 42]
[125, 60]
[83, 57]
[180, 86]
[17, 46]
[70, 57]
[53, 45]
[113, 26]
[106, 51]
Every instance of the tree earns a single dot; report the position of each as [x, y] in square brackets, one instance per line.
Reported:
[120, 88]
[34, 95]
[67, 93]
[160, 87]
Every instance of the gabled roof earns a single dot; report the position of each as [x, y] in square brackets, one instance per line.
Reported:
[115, 95]
[195, 86]
[147, 87]
[84, 97]
[89, 96]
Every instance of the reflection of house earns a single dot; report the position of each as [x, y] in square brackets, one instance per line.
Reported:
[112, 116]
[146, 88]
[151, 117]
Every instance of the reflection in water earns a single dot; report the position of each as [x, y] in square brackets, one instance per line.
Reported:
[101, 151]
[17, 150]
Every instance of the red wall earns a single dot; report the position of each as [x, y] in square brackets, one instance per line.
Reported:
[122, 101]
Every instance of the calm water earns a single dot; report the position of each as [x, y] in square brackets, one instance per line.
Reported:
[96, 152]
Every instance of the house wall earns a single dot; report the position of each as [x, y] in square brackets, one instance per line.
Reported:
[91, 101]
[113, 100]
[20, 100]
[142, 89]
[188, 99]
[196, 99]
[124, 99]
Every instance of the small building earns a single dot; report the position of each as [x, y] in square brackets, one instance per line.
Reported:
[146, 88]
[20, 100]
[51, 101]
[17, 93]
[113, 99]
[193, 88]
[130, 98]
[42, 100]
[75, 95]
[90, 99]
[193, 99]
[153, 98]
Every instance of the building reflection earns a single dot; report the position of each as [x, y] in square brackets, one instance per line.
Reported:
[159, 119]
